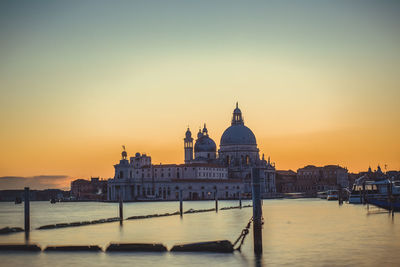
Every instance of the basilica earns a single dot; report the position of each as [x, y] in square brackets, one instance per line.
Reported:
[206, 173]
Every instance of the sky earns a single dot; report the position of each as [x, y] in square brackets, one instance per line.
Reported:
[318, 82]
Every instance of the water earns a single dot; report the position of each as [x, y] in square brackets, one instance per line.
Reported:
[301, 232]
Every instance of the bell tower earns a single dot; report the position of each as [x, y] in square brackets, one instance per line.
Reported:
[188, 146]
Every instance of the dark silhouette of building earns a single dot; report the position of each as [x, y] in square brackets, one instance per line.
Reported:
[312, 179]
[93, 189]
[285, 181]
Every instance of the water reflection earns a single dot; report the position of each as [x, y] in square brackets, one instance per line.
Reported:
[296, 232]
[258, 260]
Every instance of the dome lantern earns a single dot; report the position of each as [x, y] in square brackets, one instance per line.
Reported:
[205, 131]
[237, 118]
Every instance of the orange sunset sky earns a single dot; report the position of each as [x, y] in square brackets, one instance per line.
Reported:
[318, 82]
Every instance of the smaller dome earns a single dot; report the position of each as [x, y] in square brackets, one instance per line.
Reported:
[205, 144]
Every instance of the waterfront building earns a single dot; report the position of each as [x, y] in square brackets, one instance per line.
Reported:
[204, 172]
[285, 181]
[93, 189]
[313, 179]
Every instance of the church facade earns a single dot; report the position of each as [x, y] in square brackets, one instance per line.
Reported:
[206, 173]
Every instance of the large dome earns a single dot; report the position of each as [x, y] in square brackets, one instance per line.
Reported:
[238, 135]
[205, 144]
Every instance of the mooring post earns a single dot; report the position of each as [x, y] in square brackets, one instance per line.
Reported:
[257, 211]
[181, 202]
[390, 197]
[340, 197]
[27, 213]
[216, 200]
[121, 210]
[363, 193]
[240, 199]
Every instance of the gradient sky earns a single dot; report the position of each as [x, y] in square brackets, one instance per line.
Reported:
[318, 82]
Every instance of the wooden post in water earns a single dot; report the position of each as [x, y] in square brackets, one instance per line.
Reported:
[340, 197]
[390, 197]
[27, 212]
[257, 211]
[363, 193]
[240, 199]
[216, 200]
[181, 202]
[121, 210]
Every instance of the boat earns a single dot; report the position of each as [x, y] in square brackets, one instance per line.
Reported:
[388, 197]
[332, 195]
[385, 204]
[322, 195]
[53, 201]
[363, 188]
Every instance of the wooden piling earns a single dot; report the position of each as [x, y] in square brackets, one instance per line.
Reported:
[121, 210]
[340, 197]
[216, 200]
[257, 211]
[240, 199]
[363, 193]
[27, 212]
[390, 197]
[181, 202]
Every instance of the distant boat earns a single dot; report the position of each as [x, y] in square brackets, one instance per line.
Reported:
[18, 200]
[332, 195]
[322, 195]
[53, 201]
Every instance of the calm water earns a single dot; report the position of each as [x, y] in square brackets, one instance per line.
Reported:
[303, 232]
